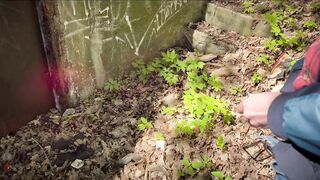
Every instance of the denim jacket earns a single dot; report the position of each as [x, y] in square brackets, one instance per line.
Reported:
[295, 117]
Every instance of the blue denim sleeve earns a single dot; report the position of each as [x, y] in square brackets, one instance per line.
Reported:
[295, 116]
[301, 122]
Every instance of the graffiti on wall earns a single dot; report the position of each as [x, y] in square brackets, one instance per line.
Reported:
[106, 35]
[111, 16]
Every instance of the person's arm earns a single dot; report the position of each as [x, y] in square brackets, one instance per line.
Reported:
[296, 117]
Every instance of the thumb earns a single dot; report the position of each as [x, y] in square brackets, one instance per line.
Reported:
[239, 108]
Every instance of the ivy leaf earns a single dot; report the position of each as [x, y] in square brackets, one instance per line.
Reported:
[218, 174]
[197, 165]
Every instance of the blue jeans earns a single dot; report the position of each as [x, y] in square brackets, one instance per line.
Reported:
[272, 142]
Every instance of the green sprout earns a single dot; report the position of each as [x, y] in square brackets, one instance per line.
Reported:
[220, 142]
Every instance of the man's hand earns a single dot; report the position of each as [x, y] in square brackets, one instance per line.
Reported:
[255, 108]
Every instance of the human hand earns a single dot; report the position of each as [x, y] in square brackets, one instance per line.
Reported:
[255, 108]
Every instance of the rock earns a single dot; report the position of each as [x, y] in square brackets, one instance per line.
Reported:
[170, 99]
[130, 157]
[277, 73]
[233, 56]
[161, 145]
[277, 88]
[69, 112]
[120, 132]
[205, 44]
[224, 71]
[207, 57]
[138, 173]
[77, 164]
[262, 71]
[93, 109]
[6, 157]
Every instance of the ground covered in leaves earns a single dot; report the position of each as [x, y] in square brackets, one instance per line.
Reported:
[171, 119]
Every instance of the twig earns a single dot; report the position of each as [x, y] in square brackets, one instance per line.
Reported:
[44, 152]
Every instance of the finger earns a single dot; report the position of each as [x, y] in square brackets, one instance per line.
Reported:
[257, 123]
[239, 108]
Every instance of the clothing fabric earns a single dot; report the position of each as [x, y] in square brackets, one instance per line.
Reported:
[295, 117]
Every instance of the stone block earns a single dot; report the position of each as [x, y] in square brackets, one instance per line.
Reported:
[229, 20]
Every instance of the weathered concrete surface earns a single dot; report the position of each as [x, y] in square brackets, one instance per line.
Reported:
[24, 80]
[98, 39]
[233, 21]
[205, 44]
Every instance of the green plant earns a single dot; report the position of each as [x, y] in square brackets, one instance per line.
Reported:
[141, 69]
[168, 111]
[234, 90]
[271, 44]
[169, 76]
[215, 83]
[280, 39]
[192, 167]
[195, 81]
[159, 136]
[310, 24]
[220, 175]
[202, 108]
[248, 7]
[112, 85]
[184, 127]
[256, 78]
[144, 124]
[220, 142]
[290, 9]
[265, 59]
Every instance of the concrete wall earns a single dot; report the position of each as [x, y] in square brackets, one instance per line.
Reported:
[24, 80]
[98, 39]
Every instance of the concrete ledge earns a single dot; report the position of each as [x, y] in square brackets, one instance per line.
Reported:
[229, 20]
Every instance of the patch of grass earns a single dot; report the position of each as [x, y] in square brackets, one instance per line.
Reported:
[202, 108]
[234, 90]
[215, 83]
[256, 78]
[265, 59]
[220, 142]
[280, 39]
[112, 85]
[159, 136]
[168, 111]
[144, 124]
[191, 168]
[248, 7]
[310, 24]
[220, 175]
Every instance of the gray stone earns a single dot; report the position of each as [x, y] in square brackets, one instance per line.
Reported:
[69, 112]
[207, 57]
[130, 157]
[203, 43]
[170, 99]
[229, 20]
